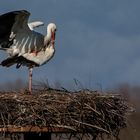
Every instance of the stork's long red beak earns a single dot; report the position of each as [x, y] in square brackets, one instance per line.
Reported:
[53, 37]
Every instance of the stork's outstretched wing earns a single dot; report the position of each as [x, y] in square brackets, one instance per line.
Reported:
[10, 24]
[35, 24]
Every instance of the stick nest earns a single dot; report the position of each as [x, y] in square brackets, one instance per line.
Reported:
[85, 111]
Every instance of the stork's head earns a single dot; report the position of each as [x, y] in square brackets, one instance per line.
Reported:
[51, 30]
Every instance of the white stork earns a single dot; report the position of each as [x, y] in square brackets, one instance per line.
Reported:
[24, 45]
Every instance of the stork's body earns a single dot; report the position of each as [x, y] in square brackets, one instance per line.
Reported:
[23, 44]
[26, 43]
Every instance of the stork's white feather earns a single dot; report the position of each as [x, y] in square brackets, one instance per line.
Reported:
[42, 57]
[35, 24]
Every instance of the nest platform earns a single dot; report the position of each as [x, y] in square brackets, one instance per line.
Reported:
[61, 111]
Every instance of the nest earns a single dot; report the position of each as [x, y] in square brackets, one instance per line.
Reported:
[85, 111]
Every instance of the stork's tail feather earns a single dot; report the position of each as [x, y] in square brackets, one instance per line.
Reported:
[17, 60]
[9, 62]
[1, 48]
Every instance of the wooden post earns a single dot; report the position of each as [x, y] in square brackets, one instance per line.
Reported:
[38, 136]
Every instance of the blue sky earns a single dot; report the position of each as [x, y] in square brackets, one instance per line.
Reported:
[97, 42]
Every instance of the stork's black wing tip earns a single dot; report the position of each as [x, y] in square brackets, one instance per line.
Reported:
[22, 11]
[17, 12]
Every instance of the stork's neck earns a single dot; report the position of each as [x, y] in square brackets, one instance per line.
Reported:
[47, 38]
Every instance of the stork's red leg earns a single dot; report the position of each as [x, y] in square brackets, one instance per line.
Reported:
[30, 79]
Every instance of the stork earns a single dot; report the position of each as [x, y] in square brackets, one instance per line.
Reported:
[25, 47]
